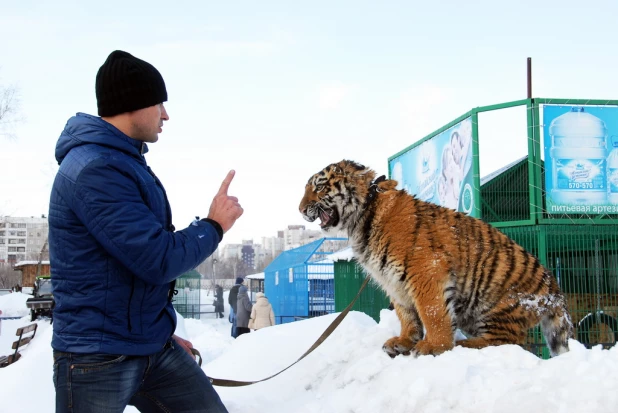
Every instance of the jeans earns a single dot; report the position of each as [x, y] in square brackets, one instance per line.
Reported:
[169, 381]
[233, 321]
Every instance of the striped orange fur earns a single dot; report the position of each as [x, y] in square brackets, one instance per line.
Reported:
[442, 269]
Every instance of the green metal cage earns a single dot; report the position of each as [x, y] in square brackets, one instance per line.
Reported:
[188, 298]
[584, 259]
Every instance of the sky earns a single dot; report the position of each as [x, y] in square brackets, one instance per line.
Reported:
[278, 90]
[348, 373]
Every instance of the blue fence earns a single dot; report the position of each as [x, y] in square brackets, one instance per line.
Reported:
[300, 282]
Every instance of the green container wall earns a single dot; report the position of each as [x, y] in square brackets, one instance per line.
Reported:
[348, 280]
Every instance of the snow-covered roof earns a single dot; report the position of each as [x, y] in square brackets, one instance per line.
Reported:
[258, 276]
[22, 263]
[497, 172]
[346, 254]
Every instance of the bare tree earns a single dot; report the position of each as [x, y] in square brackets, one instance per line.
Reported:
[205, 268]
[262, 264]
[8, 276]
[9, 109]
[232, 267]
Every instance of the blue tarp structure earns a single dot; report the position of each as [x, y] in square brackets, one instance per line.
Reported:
[299, 283]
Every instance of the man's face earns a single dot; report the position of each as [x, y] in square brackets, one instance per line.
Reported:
[147, 123]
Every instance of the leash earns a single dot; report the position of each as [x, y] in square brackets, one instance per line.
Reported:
[320, 340]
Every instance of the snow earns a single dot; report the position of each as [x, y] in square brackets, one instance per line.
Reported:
[256, 276]
[348, 373]
[14, 305]
[22, 263]
[346, 254]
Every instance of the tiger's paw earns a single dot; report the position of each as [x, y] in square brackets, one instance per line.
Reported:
[398, 345]
[424, 348]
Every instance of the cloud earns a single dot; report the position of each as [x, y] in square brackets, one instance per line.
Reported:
[332, 96]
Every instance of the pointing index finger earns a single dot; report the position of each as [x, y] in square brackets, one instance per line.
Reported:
[226, 182]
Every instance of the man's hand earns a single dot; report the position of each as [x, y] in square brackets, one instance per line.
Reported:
[185, 344]
[225, 209]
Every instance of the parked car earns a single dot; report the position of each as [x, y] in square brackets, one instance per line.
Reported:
[42, 302]
[5, 291]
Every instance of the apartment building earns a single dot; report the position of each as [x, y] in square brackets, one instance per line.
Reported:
[297, 235]
[23, 238]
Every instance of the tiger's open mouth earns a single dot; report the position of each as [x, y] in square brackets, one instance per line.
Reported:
[328, 217]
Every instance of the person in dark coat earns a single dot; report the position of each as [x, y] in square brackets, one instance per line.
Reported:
[244, 308]
[115, 256]
[232, 300]
[219, 301]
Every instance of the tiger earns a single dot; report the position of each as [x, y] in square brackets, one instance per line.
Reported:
[443, 270]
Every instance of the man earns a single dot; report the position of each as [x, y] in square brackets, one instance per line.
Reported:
[232, 300]
[244, 307]
[115, 256]
[219, 301]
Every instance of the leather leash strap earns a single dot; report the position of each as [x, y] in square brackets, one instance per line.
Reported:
[320, 340]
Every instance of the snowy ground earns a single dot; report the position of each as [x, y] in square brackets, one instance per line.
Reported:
[349, 373]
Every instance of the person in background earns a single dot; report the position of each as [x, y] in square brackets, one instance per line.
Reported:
[219, 301]
[115, 256]
[244, 308]
[262, 314]
[232, 300]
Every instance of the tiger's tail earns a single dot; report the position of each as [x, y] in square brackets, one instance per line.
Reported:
[557, 329]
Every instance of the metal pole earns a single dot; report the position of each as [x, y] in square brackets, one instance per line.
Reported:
[529, 78]
[214, 279]
[597, 267]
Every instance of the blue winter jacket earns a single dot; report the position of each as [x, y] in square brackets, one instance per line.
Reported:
[114, 253]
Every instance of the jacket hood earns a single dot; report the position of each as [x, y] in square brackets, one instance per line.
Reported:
[84, 129]
[262, 302]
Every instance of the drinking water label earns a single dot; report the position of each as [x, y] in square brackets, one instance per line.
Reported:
[580, 174]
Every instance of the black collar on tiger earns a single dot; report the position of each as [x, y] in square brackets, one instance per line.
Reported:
[373, 190]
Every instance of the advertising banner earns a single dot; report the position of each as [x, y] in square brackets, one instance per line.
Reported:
[439, 170]
[581, 159]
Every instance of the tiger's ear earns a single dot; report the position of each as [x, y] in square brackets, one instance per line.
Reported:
[387, 185]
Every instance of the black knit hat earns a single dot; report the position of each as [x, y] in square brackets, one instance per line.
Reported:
[125, 83]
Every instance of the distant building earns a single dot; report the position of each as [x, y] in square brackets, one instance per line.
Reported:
[22, 238]
[273, 246]
[231, 251]
[297, 235]
[248, 255]
[258, 256]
